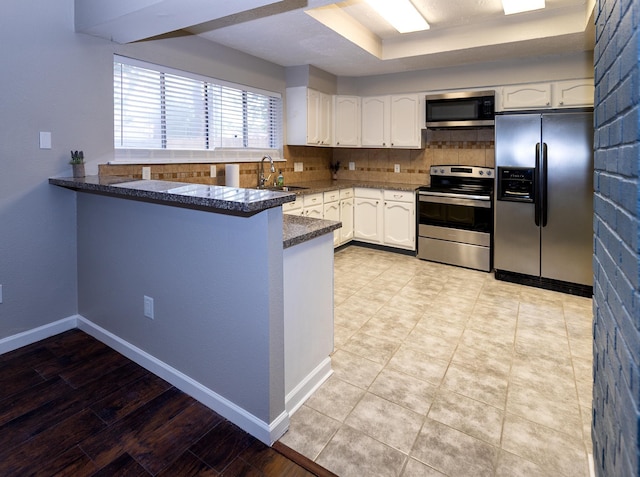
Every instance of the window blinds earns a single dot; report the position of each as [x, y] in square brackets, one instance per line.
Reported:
[156, 108]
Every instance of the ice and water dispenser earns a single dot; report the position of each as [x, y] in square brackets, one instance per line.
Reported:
[516, 184]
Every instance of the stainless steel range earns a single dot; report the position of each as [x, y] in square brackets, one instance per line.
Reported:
[455, 216]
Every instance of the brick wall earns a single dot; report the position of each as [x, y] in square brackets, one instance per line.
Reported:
[616, 392]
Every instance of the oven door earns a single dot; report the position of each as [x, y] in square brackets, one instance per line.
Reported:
[455, 229]
[457, 211]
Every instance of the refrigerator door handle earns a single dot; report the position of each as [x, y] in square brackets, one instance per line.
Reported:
[538, 196]
[545, 200]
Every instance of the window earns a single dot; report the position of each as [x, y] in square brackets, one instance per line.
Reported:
[156, 108]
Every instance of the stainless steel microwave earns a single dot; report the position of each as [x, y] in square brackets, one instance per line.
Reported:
[461, 109]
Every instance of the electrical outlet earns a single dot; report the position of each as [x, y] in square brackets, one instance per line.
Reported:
[352, 166]
[298, 167]
[396, 168]
[148, 307]
[146, 173]
[212, 171]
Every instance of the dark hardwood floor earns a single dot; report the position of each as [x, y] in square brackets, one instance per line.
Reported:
[70, 405]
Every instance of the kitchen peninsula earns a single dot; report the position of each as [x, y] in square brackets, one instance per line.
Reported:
[207, 287]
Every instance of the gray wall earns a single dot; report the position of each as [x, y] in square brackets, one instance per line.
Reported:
[59, 81]
[616, 390]
[217, 285]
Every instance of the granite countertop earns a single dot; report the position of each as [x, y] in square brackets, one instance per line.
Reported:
[297, 229]
[312, 187]
[218, 199]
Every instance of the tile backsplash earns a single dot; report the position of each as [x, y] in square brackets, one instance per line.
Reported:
[466, 147]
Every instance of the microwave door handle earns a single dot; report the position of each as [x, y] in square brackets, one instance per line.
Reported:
[538, 197]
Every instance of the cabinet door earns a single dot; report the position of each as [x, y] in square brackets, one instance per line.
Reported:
[313, 116]
[347, 121]
[574, 93]
[346, 217]
[399, 224]
[405, 127]
[526, 96]
[315, 211]
[376, 121]
[332, 212]
[367, 220]
[325, 119]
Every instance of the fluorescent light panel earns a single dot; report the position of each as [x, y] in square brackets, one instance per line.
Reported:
[401, 14]
[518, 6]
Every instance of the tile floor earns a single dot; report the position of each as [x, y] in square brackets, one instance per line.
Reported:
[440, 370]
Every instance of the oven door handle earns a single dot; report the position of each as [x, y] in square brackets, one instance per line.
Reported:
[472, 201]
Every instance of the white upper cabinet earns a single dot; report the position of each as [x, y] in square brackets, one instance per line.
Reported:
[526, 96]
[405, 121]
[558, 94]
[376, 121]
[573, 93]
[309, 117]
[346, 115]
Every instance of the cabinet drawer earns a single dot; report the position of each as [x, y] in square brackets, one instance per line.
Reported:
[399, 195]
[312, 199]
[365, 193]
[291, 206]
[331, 196]
[346, 193]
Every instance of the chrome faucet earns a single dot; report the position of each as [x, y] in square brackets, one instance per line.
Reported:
[262, 181]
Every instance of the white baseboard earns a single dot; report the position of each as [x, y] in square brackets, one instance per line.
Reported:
[298, 395]
[34, 335]
[267, 433]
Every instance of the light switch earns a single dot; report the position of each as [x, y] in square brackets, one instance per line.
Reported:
[212, 171]
[45, 140]
[352, 166]
[146, 173]
[396, 168]
[298, 167]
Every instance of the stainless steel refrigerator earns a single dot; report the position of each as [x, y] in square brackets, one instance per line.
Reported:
[544, 199]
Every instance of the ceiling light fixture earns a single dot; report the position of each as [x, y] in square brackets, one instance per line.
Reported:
[518, 6]
[401, 14]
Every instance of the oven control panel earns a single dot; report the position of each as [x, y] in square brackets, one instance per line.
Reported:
[462, 171]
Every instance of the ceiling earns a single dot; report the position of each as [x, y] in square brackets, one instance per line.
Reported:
[348, 38]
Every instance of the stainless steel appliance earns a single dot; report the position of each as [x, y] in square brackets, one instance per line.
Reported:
[455, 216]
[544, 200]
[461, 109]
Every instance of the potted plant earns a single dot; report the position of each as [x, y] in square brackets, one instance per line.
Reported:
[335, 167]
[77, 163]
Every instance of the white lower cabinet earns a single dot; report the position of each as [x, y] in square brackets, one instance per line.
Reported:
[332, 212]
[313, 205]
[385, 217]
[399, 219]
[293, 208]
[346, 216]
[367, 215]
